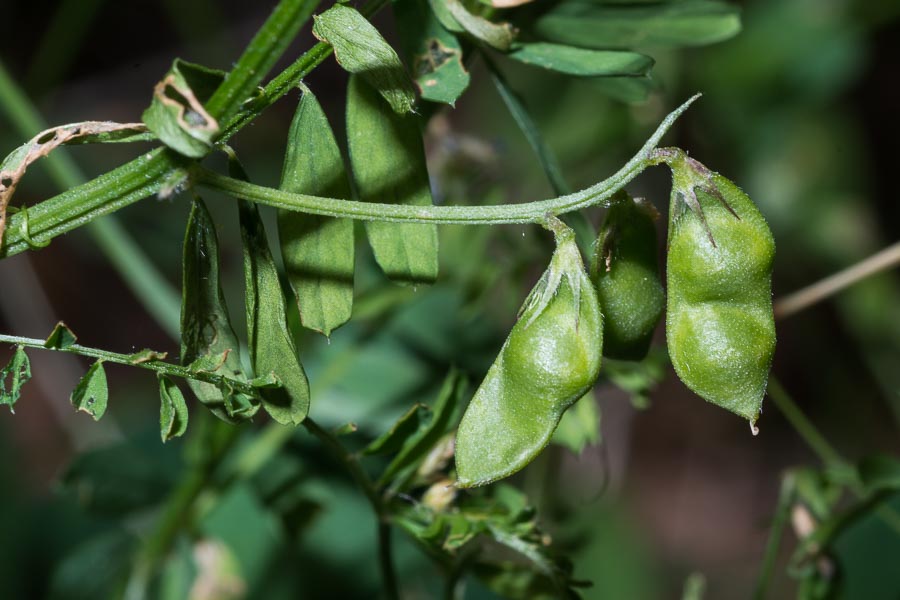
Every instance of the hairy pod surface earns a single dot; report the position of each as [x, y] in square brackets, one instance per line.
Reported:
[550, 359]
[719, 325]
[626, 273]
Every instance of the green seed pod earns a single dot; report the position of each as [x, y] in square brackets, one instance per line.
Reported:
[719, 325]
[625, 270]
[550, 359]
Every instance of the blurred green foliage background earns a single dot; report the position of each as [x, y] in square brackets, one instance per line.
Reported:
[800, 109]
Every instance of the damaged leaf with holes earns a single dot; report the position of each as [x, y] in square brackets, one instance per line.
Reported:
[176, 114]
[92, 392]
[434, 54]
[13, 376]
[13, 167]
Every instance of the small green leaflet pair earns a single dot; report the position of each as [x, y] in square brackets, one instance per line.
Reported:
[388, 165]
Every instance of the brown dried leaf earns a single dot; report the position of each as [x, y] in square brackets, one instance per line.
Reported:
[13, 168]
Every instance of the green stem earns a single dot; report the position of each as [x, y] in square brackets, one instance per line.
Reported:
[545, 156]
[826, 452]
[260, 56]
[782, 512]
[129, 360]
[78, 206]
[529, 129]
[288, 79]
[218, 438]
[532, 212]
[145, 175]
[152, 290]
[803, 426]
[350, 462]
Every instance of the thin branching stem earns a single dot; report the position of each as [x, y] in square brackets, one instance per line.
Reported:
[776, 533]
[365, 483]
[803, 426]
[531, 212]
[131, 360]
[802, 299]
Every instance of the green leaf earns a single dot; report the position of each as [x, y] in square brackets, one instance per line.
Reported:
[92, 393]
[317, 251]
[496, 35]
[173, 411]
[581, 61]
[580, 425]
[177, 115]
[60, 338]
[208, 341]
[445, 415]
[442, 13]
[13, 376]
[359, 48]
[271, 346]
[264, 50]
[597, 25]
[388, 162]
[434, 53]
[394, 438]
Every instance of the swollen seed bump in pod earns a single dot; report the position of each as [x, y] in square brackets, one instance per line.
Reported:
[626, 272]
[550, 359]
[719, 324]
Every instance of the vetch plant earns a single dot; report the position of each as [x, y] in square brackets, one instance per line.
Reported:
[720, 329]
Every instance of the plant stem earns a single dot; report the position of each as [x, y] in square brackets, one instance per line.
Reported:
[529, 129]
[826, 452]
[217, 438]
[145, 175]
[545, 156]
[803, 426]
[130, 360]
[350, 462]
[782, 512]
[289, 78]
[260, 56]
[802, 299]
[78, 206]
[532, 212]
[152, 290]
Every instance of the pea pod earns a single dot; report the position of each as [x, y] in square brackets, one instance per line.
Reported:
[550, 359]
[719, 326]
[625, 270]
